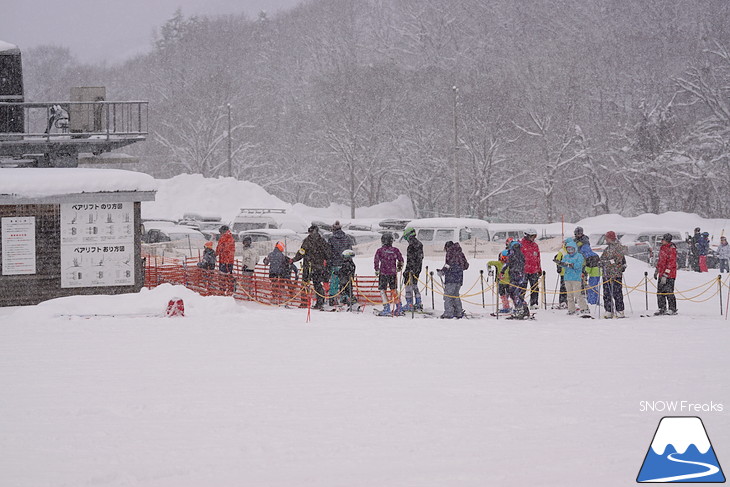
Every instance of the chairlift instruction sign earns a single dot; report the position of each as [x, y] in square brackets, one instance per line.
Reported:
[97, 244]
[18, 240]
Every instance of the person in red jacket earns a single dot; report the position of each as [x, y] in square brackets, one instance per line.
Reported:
[533, 267]
[666, 272]
[226, 250]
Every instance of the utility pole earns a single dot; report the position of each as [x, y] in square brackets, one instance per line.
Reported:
[457, 199]
[230, 158]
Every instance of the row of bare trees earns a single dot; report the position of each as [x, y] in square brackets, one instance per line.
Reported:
[563, 107]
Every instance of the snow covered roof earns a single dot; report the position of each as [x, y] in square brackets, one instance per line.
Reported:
[7, 48]
[32, 185]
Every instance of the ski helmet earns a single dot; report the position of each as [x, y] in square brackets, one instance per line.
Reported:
[246, 241]
[280, 246]
[408, 233]
[530, 231]
[667, 237]
[578, 231]
[515, 244]
[386, 239]
[348, 253]
[223, 229]
[508, 241]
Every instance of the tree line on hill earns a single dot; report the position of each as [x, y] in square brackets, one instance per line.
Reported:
[519, 111]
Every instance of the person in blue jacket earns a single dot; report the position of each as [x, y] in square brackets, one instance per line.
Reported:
[592, 268]
[573, 263]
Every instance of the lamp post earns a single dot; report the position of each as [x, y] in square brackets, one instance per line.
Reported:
[230, 158]
[455, 162]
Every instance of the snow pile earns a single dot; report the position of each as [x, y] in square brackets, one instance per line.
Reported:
[224, 197]
[672, 221]
[37, 182]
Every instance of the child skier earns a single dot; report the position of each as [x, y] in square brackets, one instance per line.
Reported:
[208, 260]
[347, 277]
[723, 254]
[503, 285]
[613, 262]
[388, 262]
[573, 263]
[517, 280]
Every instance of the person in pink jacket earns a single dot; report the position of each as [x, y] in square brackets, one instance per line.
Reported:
[533, 267]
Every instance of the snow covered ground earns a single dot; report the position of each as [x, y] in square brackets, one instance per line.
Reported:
[239, 394]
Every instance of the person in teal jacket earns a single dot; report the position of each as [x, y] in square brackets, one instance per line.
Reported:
[573, 263]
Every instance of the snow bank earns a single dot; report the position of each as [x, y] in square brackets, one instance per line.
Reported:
[36, 182]
[225, 197]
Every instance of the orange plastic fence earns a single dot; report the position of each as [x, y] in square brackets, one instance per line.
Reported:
[256, 287]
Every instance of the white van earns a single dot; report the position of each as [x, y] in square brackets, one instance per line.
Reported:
[441, 230]
[256, 219]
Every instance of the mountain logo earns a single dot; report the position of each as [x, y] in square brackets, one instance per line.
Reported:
[680, 452]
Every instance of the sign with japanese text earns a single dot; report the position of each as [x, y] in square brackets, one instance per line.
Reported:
[97, 244]
[18, 240]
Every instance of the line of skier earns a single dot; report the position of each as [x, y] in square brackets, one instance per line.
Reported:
[518, 269]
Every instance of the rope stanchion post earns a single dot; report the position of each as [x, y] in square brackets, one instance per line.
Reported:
[433, 292]
[426, 291]
[646, 289]
[719, 290]
[544, 290]
[481, 279]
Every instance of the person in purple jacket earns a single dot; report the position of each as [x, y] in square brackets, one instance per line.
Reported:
[388, 262]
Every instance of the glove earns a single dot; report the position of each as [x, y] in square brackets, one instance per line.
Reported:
[656, 274]
[399, 266]
[662, 281]
[500, 276]
[377, 273]
[440, 272]
[446, 267]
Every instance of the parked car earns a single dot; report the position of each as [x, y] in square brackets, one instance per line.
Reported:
[441, 230]
[264, 239]
[171, 238]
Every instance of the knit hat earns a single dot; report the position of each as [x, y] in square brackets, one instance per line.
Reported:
[208, 245]
[611, 236]
[280, 246]
[336, 226]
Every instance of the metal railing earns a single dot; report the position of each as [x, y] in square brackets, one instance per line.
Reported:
[99, 119]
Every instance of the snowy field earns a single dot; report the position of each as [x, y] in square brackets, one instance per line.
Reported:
[239, 394]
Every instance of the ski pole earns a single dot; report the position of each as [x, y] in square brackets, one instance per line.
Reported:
[426, 291]
[646, 289]
[556, 292]
[433, 293]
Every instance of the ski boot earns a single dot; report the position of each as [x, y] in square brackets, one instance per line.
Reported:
[505, 310]
[418, 306]
[660, 312]
[398, 310]
[409, 305]
[608, 315]
[620, 314]
[386, 310]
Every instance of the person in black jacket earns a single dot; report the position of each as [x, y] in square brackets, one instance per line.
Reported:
[279, 271]
[208, 260]
[315, 253]
[339, 242]
[414, 264]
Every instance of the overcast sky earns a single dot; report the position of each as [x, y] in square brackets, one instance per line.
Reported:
[108, 30]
